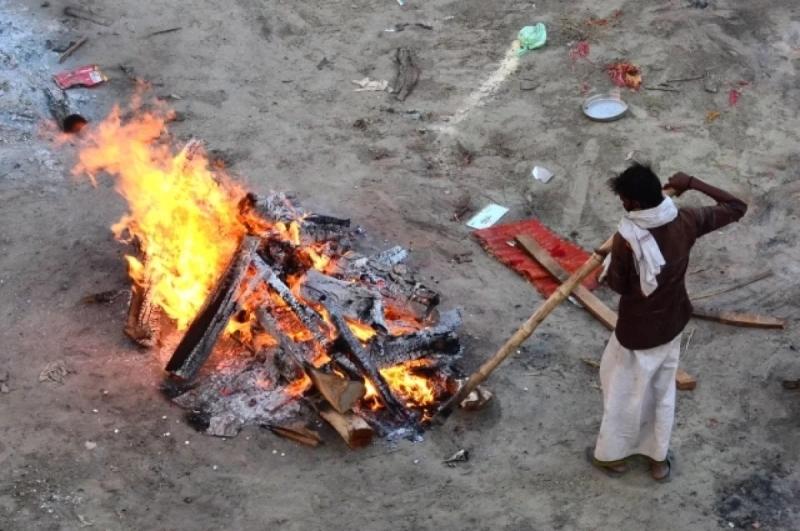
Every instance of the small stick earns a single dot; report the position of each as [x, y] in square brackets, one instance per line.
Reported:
[760, 276]
[681, 80]
[161, 32]
[69, 51]
[665, 89]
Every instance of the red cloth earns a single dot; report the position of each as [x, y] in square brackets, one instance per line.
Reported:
[570, 256]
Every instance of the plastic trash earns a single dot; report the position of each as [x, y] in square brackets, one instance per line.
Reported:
[542, 174]
[487, 217]
[531, 37]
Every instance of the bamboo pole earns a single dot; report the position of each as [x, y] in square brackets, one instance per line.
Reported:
[524, 332]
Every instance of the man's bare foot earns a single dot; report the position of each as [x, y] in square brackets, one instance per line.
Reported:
[660, 470]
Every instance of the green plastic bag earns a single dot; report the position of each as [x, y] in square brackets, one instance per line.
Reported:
[531, 37]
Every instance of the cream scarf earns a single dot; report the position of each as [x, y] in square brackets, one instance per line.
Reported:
[647, 256]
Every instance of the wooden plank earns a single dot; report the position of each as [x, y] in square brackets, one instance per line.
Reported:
[590, 301]
[685, 381]
[747, 320]
[354, 430]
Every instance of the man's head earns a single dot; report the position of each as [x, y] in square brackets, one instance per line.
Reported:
[638, 187]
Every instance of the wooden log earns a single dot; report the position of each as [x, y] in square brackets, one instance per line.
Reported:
[441, 338]
[143, 322]
[747, 320]
[67, 119]
[685, 381]
[340, 393]
[353, 429]
[297, 432]
[407, 73]
[310, 318]
[361, 359]
[199, 340]
[353, 300]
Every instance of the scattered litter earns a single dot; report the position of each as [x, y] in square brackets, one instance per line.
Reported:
[4, 388]
[54, 372]
[604, 107]
[733, 97]
[528, 84]
[372, 85]
[84, 76]
[601, 22]
[3, 376]
[90, 445]
[698, 4]
[72, 48]
[162, 32]
[325, 62]
[463, 206]
[487, 217]
[397, 28]
[631, 155]
[591, 363]
[711, 84]
[625, 74]
[542, 174]
[579, 51]
[479, 397]
[86, 14]
[791, 384]
[531, 37]
[712, 115]
[461, 456]
[103, 297]
[407, 73]
[85, 522]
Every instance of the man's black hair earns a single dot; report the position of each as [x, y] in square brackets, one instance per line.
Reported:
[638, 183]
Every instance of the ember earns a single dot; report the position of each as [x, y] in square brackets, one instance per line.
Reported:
[290, 318]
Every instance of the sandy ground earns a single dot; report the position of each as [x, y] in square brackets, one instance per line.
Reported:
[268, 83]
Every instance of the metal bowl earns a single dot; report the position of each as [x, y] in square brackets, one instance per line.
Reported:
[604, 107]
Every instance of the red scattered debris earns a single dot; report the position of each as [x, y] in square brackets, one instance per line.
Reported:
[733, 97]
[579, 51]
[605, 21]
[625, 74]
[86, 76]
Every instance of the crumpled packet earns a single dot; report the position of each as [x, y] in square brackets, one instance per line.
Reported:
[531, 37]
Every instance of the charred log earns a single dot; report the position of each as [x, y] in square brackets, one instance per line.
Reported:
[143, 324]
[363, 362]
[196, 345]
[352, 300]
[310, 318]
[441, 338]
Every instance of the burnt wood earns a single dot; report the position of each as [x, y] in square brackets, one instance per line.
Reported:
[363, 362]
[441, 338]
[68, 119]
[310, 318]
[199, 340]
[352, 299]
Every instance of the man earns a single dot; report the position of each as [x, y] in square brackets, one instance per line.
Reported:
[647, 266]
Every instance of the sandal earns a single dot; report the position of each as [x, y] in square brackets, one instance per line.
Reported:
[613, 469]
[666, 477]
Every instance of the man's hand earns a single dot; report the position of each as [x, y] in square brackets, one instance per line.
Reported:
[680, 182]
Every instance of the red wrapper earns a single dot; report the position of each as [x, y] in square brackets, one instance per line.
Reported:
[84, 76]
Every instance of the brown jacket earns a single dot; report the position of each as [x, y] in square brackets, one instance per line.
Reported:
[647, 322]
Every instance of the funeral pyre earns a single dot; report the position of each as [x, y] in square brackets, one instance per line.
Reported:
[268, 314]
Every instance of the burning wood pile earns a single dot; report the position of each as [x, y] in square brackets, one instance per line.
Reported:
[273, 315]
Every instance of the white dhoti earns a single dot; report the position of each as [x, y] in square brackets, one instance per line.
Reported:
[638, 400]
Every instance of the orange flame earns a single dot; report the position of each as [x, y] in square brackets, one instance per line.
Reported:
[182, 213]
[415, 389]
